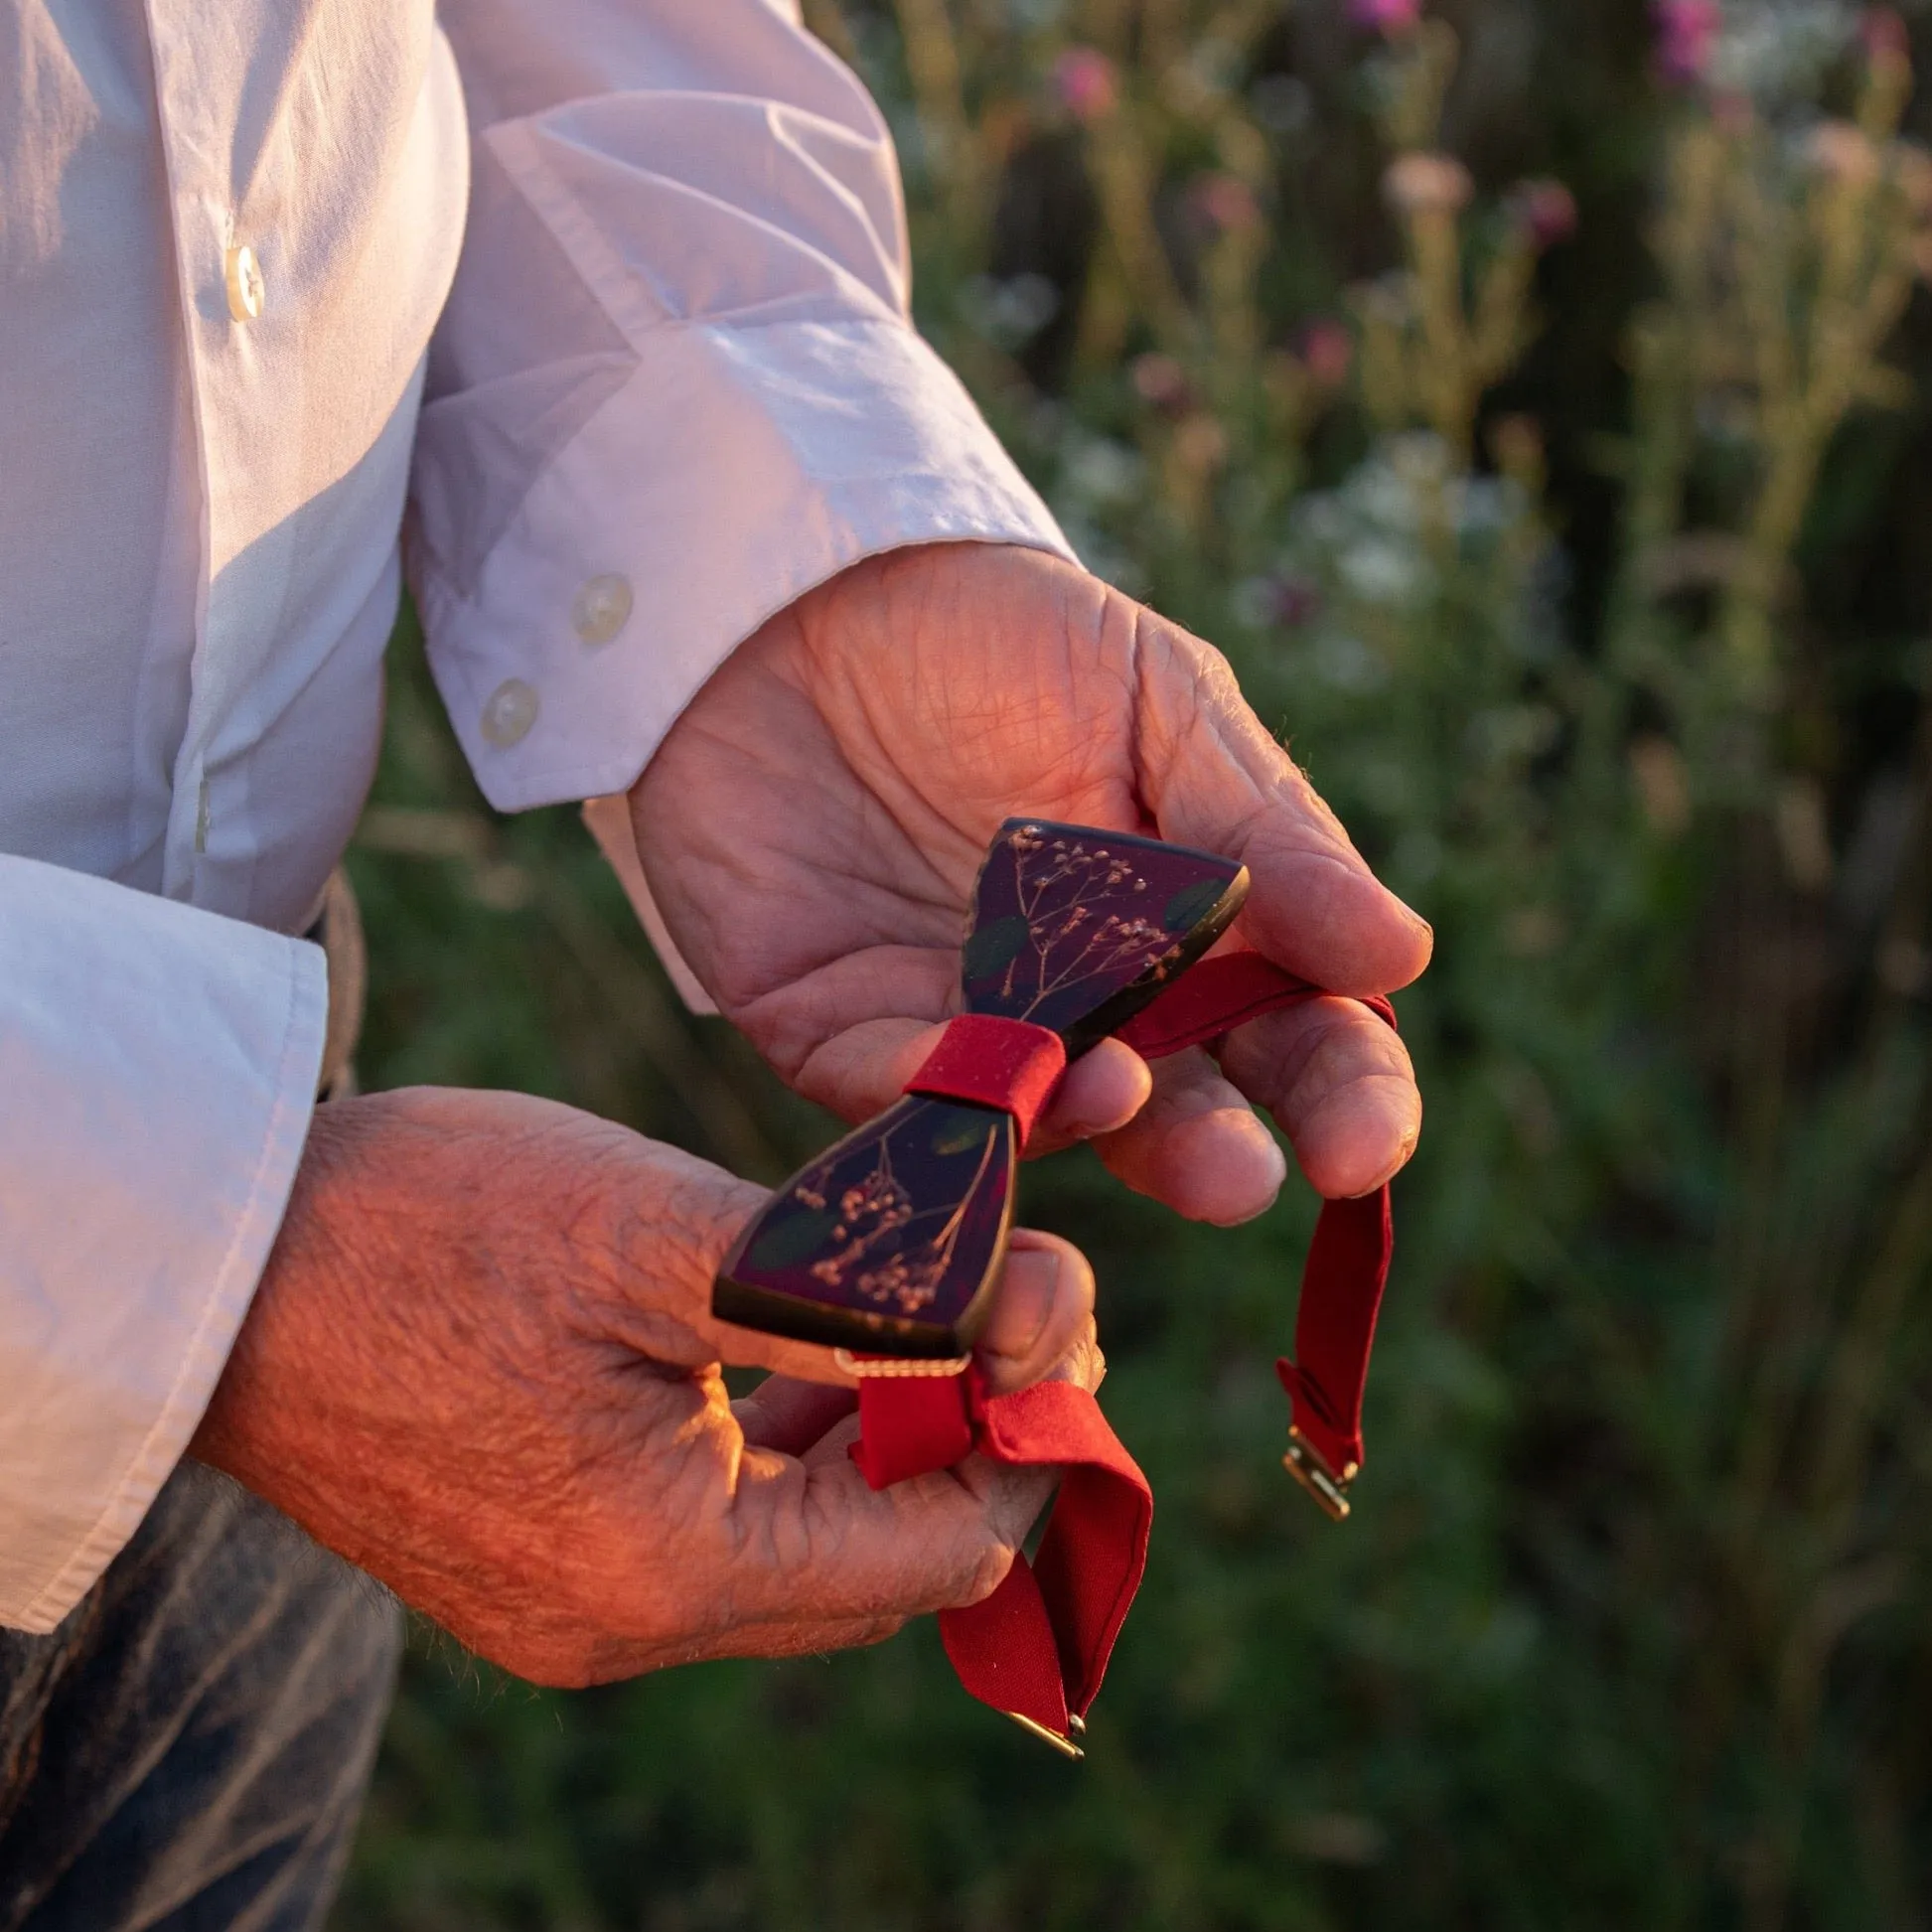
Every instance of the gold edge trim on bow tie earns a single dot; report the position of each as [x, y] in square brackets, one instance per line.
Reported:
[898, 1366]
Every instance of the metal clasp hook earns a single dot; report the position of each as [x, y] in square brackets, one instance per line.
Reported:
[1064, 1745]
[1314, 1471]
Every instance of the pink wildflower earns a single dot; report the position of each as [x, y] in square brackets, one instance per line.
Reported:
[1084, 81]
[1228, 203]
[1887, 42]
[1390, 18]
[1327, 350]
[1291, 599]
[1686, 36]
[1161, 381]
[1421, 184]
[1842, 151]
[1546, 211]
[1200, 443]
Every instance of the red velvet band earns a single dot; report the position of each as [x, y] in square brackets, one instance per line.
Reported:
[1038, 1645]
[1012, 1065]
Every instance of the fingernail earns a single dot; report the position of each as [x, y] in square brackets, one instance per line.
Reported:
[1251, 1181]
[1027, 1293]
[1407, 1148]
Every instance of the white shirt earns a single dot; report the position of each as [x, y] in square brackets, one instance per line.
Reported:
[663, 383]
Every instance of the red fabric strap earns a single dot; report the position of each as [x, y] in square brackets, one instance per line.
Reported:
[1038, 1645]
[1012, 1065]
[910, 1426]
[1348, 1259]
[1219, 994]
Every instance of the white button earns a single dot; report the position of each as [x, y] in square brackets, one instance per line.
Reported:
[602, 608]
[510, 713]
[246, 289]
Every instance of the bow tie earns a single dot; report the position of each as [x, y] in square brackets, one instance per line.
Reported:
[888, 1245]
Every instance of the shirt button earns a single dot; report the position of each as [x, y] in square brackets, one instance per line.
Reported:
[510, 713]
[246, 289]
[602, 608]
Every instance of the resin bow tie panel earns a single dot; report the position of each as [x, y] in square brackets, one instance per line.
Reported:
[889, 1241]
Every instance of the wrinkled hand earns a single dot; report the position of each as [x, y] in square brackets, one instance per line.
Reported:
[481, 1364]
[813, 825]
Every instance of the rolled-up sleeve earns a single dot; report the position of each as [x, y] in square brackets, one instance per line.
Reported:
[676, 384]
[157, 1070]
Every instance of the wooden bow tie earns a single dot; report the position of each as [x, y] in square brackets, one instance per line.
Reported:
[888, 1245]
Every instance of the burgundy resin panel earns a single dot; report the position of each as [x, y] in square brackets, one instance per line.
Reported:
[889, 1241]
[1076, 929]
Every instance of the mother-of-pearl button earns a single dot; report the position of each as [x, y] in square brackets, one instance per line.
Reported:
[602, 608]
[509, 713]
[246, 289]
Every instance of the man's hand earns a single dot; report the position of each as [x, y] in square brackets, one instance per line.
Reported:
[813, 825]
[481, 1364]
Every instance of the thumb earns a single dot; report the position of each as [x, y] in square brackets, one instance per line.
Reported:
[840, 1550]
[1213, 777]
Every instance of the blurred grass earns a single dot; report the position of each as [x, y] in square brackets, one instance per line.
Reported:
[1608, 633]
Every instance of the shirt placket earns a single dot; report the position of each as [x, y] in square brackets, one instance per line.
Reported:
[239, 384]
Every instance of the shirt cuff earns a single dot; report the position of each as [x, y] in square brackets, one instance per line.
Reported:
[737, 467]
[159, 1066]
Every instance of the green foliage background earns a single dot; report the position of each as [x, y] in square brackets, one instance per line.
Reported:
[1596, 595]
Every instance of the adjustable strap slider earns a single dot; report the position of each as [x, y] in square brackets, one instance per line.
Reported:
[1314, 1472]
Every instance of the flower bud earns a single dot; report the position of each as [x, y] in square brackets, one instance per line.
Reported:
[1228, 203]
[1545, 210]
[1327, 351]
[1286, 598]
[1420, 183]
[1884, 38]
[1843, 152]
[1687, 38]
[1389, 18]
[1086, 84]
[1161, 382]
[1200, 444]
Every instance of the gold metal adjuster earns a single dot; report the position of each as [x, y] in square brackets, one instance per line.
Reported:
[889, 1366]
[1314, 1471]
[1064, 1745]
